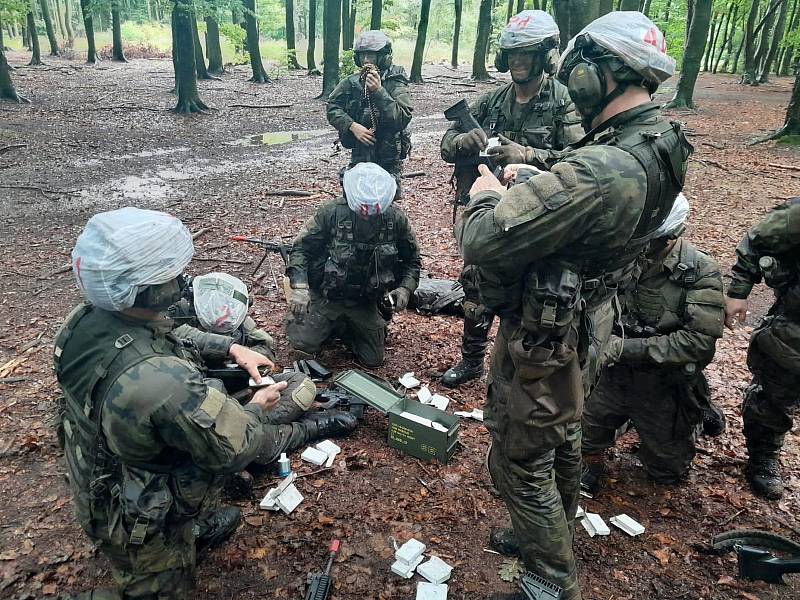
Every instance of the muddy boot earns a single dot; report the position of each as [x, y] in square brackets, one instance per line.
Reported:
[713, 420]
[216, 527]
[463, 371]
[594, 468]
[764, 477]
[239, 486]
[504, 541]
[327, 424]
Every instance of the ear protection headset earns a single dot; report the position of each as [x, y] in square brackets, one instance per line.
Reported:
[549, 50]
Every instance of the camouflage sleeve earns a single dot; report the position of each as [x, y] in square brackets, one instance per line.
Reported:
[213, 347]
[450, 151]
[394, 105]
[257, 339]
[568, 128]
[311, 242]
[337, 107]
[696, 341]
[777, 233]
[408, 251]
[546, 213]
[170, 403]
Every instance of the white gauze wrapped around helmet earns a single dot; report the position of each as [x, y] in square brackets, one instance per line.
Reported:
[373, 40]
[121, 251]
[528, 28]
[634, 39]
[220, 302]
[675, 219]
[369, 189]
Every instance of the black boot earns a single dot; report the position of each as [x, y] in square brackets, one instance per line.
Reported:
[239, 486]
[216, 527]
[504, 541]
[327, 424]
[463, 371]
[592, 476]
[713, 420]
[764, 477]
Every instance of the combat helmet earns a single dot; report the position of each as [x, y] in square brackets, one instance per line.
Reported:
[534, 31]
[373, 41]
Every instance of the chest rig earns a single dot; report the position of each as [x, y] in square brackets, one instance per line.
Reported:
[359, 268]
[535, 127]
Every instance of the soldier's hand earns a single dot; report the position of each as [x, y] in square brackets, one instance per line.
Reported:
[401, 296]
[362, 134]
[300, 301]
[487, 181]
[373, 82]
[512, 172]
[249, 360]
[507, 152]
[613, 350]
[472, 142]
[267, 397]
[735, 310]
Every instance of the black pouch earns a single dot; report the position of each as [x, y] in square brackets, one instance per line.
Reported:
[551, 299]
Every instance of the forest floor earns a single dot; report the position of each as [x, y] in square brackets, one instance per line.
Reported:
[98, 138]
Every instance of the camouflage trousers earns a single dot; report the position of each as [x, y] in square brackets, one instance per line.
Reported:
[772, 399]
[664, 413]
[477, 319]
[361, 326]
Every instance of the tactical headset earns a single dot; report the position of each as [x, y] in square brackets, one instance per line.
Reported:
[547, 55]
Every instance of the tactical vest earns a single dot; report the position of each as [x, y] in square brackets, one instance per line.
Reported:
[357, 270]
[543, 116]
[100, 348]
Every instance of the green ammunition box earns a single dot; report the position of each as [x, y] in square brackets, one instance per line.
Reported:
[405, 434]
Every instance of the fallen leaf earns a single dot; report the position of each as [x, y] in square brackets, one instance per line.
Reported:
[510, 569]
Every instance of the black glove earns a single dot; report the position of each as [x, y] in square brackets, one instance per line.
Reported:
[507, 153]
[299, 301]
[401, 296]
[472, 142]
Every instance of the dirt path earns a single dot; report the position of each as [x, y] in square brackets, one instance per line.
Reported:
[99, 138]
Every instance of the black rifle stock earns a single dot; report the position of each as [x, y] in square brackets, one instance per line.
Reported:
[319, 584]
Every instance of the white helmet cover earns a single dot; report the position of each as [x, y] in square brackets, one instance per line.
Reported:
[371, 41]
[675, 220]
[369, 189]
[528, 28]
[220, 302]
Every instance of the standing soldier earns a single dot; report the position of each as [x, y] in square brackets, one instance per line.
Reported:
[770, 250]
[672, 317]
[147, 441]
[534, 111]
[551, 253]
[354, 255]
[371, 109]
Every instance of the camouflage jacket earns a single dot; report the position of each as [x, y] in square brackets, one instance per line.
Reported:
[776, 235]
[673, 313]
[548, 122]
[146, 441]
[347, 105]
[248, 334]
[583, 214]
[347, 257]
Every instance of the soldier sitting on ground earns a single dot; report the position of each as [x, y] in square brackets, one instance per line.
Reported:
[672, 318]
[214, 316]
[371, 109]
[354, 254]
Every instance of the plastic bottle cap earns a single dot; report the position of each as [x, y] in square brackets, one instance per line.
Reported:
[283, 456]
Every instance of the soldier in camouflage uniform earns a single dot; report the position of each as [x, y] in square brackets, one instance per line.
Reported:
[551, 253]
[533, 111]
[353, 255]
[770, 251]
[371, 110]
[672, 317]
[147, 441]
[215, 313]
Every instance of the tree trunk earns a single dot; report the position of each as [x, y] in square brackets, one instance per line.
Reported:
[351, 32]
[777, 38]
[646, 7]
[311, 57]
[520, 6]
[750, 66]
[376, 14]
[419, 48]
[792, 126]
[667, 8]
[251, 26]
[331, 30]
[48, 25]
[479, 72]
[117, 53]
[458, 6]
[574, 15]
[605, 7]
[55, 9]
[629, 5]
[7, 90]
[199, 60]
[726, 33]
[695, 45]
[185, 74]
[88, 26]
[767, 23]
[213, 47]
[68, 23]
[509, 10]
[786, 61]
[26, 38]
[291, 50]
[36, 56]
[712, 38]
[345, 24]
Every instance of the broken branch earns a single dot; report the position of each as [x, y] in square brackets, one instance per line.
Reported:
[294, 193]
[787, 167]
[259, 106]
